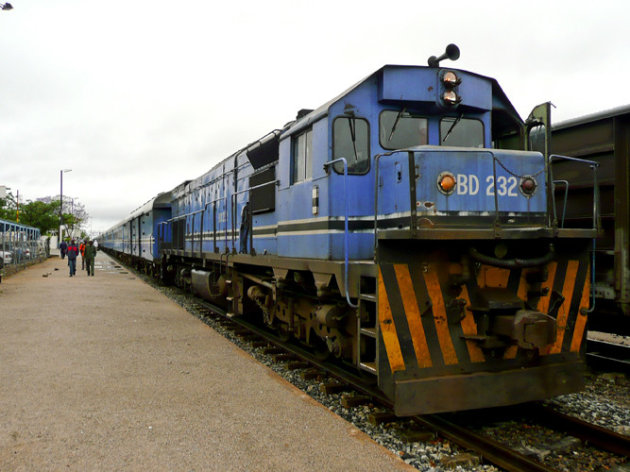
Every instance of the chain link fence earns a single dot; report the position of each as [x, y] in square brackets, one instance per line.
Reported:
[20, 245]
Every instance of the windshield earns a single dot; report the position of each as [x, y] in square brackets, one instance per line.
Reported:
[401, 129]
[464, 132]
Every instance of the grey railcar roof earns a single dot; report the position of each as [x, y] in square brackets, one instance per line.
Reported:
[592, 117]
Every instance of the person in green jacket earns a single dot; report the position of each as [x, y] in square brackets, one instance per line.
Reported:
[90, 254]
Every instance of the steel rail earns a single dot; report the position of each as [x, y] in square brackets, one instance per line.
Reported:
[493, 451]
[608, 354]
[598, 436]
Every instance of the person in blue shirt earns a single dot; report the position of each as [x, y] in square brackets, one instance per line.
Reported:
[63, 248]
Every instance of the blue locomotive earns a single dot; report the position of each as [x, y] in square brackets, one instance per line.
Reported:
[406, 227]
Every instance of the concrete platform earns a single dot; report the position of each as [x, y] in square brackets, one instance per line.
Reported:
[105, 373]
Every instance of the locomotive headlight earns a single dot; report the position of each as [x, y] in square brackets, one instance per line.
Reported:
[450, 79]
[446, 183]
[451, 97]
[449, 87]
[528, 186]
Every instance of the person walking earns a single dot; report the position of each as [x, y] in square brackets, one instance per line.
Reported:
[63, 248]
[82, 251]
[73, 252]
[90, 254]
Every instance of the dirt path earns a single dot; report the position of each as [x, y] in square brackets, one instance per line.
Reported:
[105, 373]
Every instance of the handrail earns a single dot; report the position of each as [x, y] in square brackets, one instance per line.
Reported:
[233, 203]
[566, 197]
[593, 165]
[214, 222]
[412, 150]
[596, 214]
[345, 236]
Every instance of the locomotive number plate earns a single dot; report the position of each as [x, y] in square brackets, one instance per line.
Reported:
[471, 184]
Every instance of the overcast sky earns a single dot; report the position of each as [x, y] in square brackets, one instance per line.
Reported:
[139, 95]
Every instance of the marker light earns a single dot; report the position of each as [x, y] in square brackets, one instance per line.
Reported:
[446, 183]
[528, 186]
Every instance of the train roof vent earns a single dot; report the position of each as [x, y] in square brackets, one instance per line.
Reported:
[302, 113]
[264, 151]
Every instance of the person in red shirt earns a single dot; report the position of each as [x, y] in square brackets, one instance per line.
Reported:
[73, 252]
[82, 251]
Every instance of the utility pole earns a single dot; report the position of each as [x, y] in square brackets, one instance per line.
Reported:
[61, 172]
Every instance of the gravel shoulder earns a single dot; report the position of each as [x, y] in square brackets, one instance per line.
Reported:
[105, 373]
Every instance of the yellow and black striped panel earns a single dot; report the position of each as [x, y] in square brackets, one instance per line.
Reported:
[417, 329]
[425, 325]
[567, 298]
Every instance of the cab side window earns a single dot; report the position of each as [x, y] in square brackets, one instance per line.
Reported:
[302, 157]
[351, 139]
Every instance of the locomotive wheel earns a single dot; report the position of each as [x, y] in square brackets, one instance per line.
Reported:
[320, 349]
[283, 333]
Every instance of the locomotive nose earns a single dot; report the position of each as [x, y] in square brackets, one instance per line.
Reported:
[530, 329]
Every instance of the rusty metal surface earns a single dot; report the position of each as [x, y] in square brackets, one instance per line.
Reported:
[356, 269]
[482, 390]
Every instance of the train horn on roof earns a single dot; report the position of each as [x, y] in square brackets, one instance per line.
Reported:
[452, 53]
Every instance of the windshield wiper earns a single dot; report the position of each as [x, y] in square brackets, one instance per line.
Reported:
[400, 113]
[448, 133]
[353, 136]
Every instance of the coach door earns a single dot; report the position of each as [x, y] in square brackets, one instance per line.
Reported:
[139, 233]
[131, 237]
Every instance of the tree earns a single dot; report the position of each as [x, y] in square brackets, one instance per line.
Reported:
[74, 215]
[44, 216]
[8, 207]
[44, 213]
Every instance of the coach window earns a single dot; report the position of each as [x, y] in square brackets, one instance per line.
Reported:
[302, 157]
[401, 129]
[464, 132]
[351, 139]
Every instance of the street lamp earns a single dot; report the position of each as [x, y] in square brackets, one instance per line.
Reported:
[61, 172]
[6, 6]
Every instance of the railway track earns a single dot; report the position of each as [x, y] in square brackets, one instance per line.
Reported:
[592, 434]
[492, 451]
[608, 355]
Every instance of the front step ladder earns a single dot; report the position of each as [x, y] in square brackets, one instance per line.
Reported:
[232, 299]
[367, 332]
